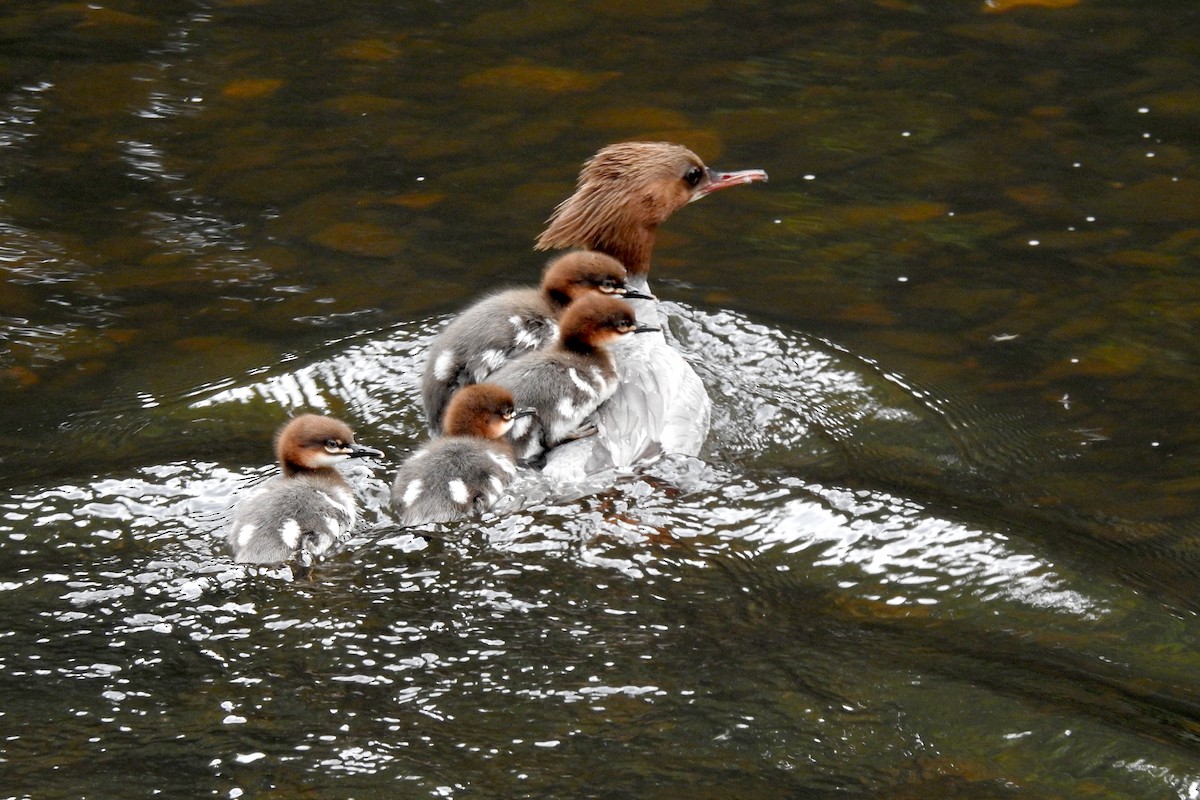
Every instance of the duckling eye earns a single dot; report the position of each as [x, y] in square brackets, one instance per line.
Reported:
[333, 444]
[609, 285]
[693, 176]
[508, 413]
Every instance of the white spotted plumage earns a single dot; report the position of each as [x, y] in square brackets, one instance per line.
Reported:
[412, 492]
[458, 476]
[503, 462]
[525, 336]
[507, 325]
[342, 501]
[458, 491]
[290, 533]
[489, 362]
[245, 533]
[603, 386]
[307, 509]
[583, 385]
[445, 365]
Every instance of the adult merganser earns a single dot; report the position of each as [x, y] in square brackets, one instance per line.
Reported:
[567, 382]
[308, 508]
[505, 325]
[465, 471]
[624, 193]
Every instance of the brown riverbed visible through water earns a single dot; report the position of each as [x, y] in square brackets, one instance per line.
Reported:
[942, 540]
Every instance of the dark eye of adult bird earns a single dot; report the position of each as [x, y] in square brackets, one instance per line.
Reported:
[693, 176]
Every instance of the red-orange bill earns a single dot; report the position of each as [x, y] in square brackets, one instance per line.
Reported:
[723, 180]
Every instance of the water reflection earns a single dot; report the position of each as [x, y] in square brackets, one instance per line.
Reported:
[856, 615]
[406, 638]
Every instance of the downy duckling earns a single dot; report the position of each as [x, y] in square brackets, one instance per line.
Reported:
[309, 507]
[568, 382]
[463, 472]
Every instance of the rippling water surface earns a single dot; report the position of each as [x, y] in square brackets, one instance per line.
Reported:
[942, 541]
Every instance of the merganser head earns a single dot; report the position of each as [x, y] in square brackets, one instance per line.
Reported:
[311, 442]
[484, 410]
[626, 191]
[570, 276]
[597, 319]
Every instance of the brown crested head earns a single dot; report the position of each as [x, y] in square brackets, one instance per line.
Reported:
[625, 192]
[595, 320]
[483, 410]
[312, 442]
[579, 272]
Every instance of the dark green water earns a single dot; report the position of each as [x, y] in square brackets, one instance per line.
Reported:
[943, 541]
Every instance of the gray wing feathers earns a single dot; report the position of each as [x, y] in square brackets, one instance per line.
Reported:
[290, 514]
[452, 479]
[480, 341]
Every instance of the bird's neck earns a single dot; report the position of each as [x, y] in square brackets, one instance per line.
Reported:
[503, 447]
[293, 468]
[578, 344]
[631, 246]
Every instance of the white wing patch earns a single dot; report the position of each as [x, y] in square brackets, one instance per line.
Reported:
[566, 408]
[245, 534]
[526, 336]
[585, 387]
[290, 533]
[489, 362]
[412, 492]
[458, 491]
[606, 389]
[444, 365]
[503, 463]
[342, 501]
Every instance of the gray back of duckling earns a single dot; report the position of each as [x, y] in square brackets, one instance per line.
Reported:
[450, 479]
[301, 512]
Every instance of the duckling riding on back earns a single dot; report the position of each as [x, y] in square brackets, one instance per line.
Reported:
[507, 324]
[569, 381]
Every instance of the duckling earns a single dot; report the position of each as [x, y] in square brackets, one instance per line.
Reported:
[568, 382]
[504, 325]
[309, 507]
[463, 472]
